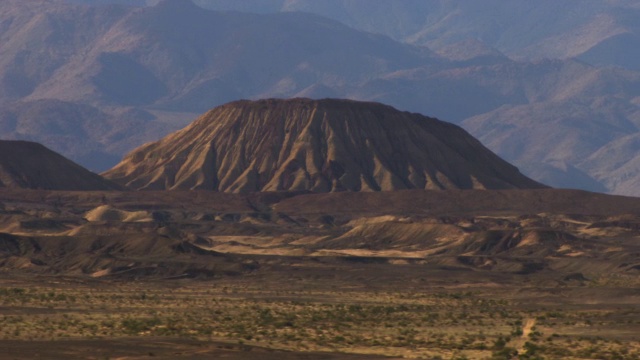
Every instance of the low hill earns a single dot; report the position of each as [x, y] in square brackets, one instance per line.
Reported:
[25, 164]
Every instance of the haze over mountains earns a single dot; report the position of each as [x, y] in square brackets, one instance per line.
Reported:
[520, 28]
[94, 82]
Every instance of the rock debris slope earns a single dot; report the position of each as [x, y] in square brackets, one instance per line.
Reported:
[317, 145]
[29, 165]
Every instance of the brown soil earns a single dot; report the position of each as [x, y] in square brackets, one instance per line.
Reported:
[162, 348]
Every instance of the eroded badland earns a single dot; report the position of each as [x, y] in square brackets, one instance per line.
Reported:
[411, 274]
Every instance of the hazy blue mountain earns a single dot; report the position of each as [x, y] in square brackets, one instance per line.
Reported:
[177, 56]
[119, 2]
[592, 30]
[93, 82]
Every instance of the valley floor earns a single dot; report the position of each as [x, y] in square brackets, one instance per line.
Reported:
[358, 310]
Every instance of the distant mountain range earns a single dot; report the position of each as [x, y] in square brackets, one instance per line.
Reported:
[601, 32]
[552, 86]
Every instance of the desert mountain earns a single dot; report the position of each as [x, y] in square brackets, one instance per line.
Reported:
[30, 165]
[94, 81]
[318, 145]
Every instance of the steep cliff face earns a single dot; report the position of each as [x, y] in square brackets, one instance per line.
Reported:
[318, 145]
[29, 165]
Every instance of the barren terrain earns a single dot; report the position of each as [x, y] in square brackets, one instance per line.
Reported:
[408, 274]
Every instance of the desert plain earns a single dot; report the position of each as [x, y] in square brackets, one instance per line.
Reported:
[452, 274]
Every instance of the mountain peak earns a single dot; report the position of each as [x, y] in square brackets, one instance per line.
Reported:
[317, 145]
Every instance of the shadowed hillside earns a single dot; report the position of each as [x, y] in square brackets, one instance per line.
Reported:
[30, 165]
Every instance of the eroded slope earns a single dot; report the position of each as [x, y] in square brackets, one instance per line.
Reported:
[318, 145]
